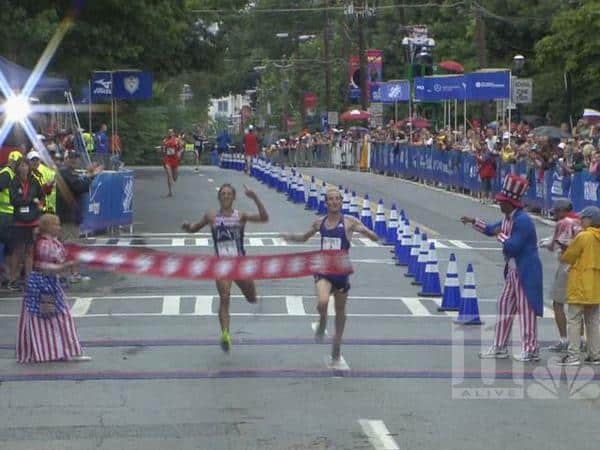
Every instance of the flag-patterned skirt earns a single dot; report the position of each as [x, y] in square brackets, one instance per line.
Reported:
[46, 339]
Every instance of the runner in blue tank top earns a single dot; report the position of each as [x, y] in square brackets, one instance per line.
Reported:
[227, 228]
[336, 234]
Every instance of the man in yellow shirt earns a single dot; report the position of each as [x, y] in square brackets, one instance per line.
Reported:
[507, 153]
[46, 177]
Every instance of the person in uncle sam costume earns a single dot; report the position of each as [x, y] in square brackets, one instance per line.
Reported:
[523, 287]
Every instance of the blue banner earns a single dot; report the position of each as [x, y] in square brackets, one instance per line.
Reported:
[488, 85]
[460, 170]
[109, 202]
[375, 92]
[102, 85]
[439, 88]
[395, 91]
[132, 85]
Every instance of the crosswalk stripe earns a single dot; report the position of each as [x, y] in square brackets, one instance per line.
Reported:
[368, 242]
[171, 305]
[295, 305]
[416, 307]
[460, 244]
[81, 306]
[256, 242]
[178, 242]
[279, 242]
[438, 244]
[202, 242]
[203, 305]
[331, 306]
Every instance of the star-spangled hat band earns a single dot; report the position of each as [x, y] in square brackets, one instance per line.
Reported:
[513, 189]
[175, 265]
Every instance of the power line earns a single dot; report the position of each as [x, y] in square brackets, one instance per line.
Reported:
[323, 8]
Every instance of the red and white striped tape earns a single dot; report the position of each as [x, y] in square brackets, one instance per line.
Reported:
[175, 265]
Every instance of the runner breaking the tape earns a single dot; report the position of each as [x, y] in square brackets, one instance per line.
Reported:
[227, 227]
[336, 234]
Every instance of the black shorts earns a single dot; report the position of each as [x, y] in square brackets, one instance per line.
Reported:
[486, 184]
[21, 236]
[339, 284]
[6, 232]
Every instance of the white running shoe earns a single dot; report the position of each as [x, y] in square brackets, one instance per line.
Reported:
[494, 353]
[81, 358]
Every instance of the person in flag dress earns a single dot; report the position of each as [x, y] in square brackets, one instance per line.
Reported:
[227, 228]
[336, 231]
[46, 328]
[523, 285]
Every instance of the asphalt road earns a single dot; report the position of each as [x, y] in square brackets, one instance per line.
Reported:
[158, 378]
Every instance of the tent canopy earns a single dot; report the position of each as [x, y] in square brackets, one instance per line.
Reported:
[17, 76]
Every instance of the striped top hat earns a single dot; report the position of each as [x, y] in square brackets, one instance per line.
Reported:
[513, 190]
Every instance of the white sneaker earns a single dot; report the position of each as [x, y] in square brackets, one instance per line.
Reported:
[527, 357]
[81, 358]
[494, 353]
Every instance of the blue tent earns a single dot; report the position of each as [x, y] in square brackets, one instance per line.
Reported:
[17, 76]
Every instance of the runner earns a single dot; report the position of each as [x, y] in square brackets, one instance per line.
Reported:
[171, 147]
[227, 227]
[199, 139]
[336, 234]
[250, 147]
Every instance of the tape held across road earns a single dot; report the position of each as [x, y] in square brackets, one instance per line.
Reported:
[204, 267]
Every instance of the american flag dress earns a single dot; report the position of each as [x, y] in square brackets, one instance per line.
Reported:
[43, 336]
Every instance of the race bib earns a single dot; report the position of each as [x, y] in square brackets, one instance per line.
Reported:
[227, 248]
[332, 243]
[170, 151]
[24, 209]
[198, 143]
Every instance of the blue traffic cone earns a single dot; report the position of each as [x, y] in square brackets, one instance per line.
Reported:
[468, 314]
[405, 245]
[281, 187]
[451, 297]
[380, 220]
[431, 279]
[322, 206]
[313, 199]
[421, 260]
[365, 215]
[415, 246]
[398, 245]
[392, 228]
[293, 188]
[346, 202]
[354, 205]
[301, 195]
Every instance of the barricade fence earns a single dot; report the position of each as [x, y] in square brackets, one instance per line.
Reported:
[459, 170]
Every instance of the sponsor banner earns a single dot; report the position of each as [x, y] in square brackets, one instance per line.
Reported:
[395, 91]
[102, 85]
[310, 104]
[374, 72]
[490, 85]
[201, 267]
[440, 88]
[132, 85]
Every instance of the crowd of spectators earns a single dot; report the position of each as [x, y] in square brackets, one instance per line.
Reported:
[33, 183]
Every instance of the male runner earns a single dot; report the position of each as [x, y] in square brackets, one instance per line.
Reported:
[227, 227]
[336, 234]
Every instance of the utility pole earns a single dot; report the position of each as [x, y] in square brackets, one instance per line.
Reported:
[327, 59]
[480, 38]
[362, 57]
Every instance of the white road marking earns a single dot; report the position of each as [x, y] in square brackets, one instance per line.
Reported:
[548, 312]
[81, 306]
[124, 243]
[279, 242]
[331, 306]
[210, 180]
[378, 434]
[171, 305]
[203, 305]
[461, 244]
[438, 244]
[368, 242]
[202, 242]
[255, 242]
[178, 242]
[416, 307]
[294, 305]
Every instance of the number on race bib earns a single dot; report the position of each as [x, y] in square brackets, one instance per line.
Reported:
[227, 248]
[332, 243]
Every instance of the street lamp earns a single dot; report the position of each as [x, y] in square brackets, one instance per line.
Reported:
[519, 62]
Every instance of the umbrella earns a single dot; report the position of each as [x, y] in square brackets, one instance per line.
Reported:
[452, 66]
[356, 114]
[591, 115]
[417, 122]
[492, 125]
[359, 129]
[550, 132]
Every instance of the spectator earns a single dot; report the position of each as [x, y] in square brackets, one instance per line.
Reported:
[71, 187]
[27, 199]
[116, 151]
[7, 174]
[487, 172]
[583, 289]
[101, 146]
[46, 328]
[46, 177]
[250, 147]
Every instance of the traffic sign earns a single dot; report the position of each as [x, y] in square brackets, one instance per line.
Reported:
[522, 90]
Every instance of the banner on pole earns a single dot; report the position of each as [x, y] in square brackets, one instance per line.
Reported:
[488, 85]
[102, 85]
[395, 91]
[132, 85]
[440, 88]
